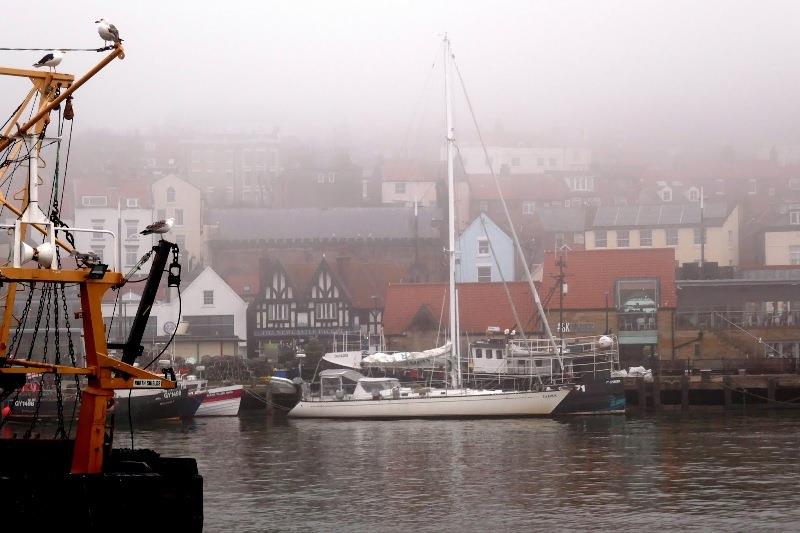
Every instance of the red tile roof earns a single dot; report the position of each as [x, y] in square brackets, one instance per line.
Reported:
[480, 304]
[589, 274]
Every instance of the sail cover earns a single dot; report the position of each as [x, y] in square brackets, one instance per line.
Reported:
[424, 359]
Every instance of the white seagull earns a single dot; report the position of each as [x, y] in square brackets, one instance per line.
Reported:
[160, 227]
[107, 31]
[50, 60]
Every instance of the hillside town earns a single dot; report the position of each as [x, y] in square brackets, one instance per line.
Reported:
[288, 249]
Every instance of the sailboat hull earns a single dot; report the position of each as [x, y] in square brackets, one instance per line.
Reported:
[474, 405]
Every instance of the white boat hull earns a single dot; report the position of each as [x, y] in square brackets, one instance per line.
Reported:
[221, 401]
[455, 405]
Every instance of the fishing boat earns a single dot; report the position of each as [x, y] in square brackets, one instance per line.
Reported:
[569, 392]
[212, 401]
[76, 472]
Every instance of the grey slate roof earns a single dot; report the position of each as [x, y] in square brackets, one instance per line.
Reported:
[658, 215]
[346, 223]
[563, 218]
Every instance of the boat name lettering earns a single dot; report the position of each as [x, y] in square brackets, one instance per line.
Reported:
[172, 393]
[30, 402]
[146, 383]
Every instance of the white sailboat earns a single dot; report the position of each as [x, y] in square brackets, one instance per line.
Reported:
[352, 395]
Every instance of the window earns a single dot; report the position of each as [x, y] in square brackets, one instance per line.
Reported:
[98, 223]
[488, 354]
[645, 237]
[320, 177]
[672, 236]
[94, 201]
[498, 354]
[484, 274]
[180, 240]
[179, 217]
[794, 217]
[698, 236]
[483, 247]
[170, 195]
[132, 202]
[326, 311]
[331, 177]
[623, 238]
[161, 214]
[208, 297]
[600, 238]
[515, 161]
[666, 195]
[528, 208]
[99, 251]
[577, 237]
[131, 230]
[478, 353]
[278, 312]
[794, 255]
[131, 255]
[538, 363]
[581, 183]
[364, 189]
[694, 195]
[752, 186]
[399, 188]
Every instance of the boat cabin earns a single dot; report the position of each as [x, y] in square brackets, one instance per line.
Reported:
[336, 383]
[377, 389]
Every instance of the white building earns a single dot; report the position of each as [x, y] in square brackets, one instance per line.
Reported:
[212, 319]
[524, 159]
[124, 209]
[179, 199]
[409, 182]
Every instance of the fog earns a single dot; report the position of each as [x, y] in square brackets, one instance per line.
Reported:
[643, 74]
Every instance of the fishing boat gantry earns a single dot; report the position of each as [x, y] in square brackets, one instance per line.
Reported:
[84, 477]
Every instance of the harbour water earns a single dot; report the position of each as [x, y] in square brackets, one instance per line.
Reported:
[723, 472]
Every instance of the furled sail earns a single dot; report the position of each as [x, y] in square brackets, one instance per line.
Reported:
[427, 358]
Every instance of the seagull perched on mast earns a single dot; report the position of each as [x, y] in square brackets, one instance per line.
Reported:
[161, 227]
[107, 31]
[50, 60]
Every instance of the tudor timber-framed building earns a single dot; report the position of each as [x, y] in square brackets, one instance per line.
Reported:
[320, 299]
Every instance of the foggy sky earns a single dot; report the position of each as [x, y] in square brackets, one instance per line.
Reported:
[664, 73]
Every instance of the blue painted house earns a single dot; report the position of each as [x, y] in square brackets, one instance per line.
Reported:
[475, 261]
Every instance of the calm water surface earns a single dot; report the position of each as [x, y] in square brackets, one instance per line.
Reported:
[717, 471]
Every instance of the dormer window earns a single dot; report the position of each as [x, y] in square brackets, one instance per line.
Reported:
[794, 217]
[666, 195]
[131, 202]
[694, 195]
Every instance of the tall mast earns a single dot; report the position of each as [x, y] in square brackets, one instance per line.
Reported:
[451, 220]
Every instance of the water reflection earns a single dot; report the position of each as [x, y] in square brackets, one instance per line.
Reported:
[719, 471]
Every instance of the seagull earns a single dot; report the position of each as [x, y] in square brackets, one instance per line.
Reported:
[50, 60]
[107, 31]
[162, 226]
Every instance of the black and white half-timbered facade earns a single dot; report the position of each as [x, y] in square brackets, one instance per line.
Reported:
[298, 302]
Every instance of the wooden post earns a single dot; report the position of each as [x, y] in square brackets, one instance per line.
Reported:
[727, 383]
[642, 392]
[685, 392]
[772, 385]
[657, 392]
